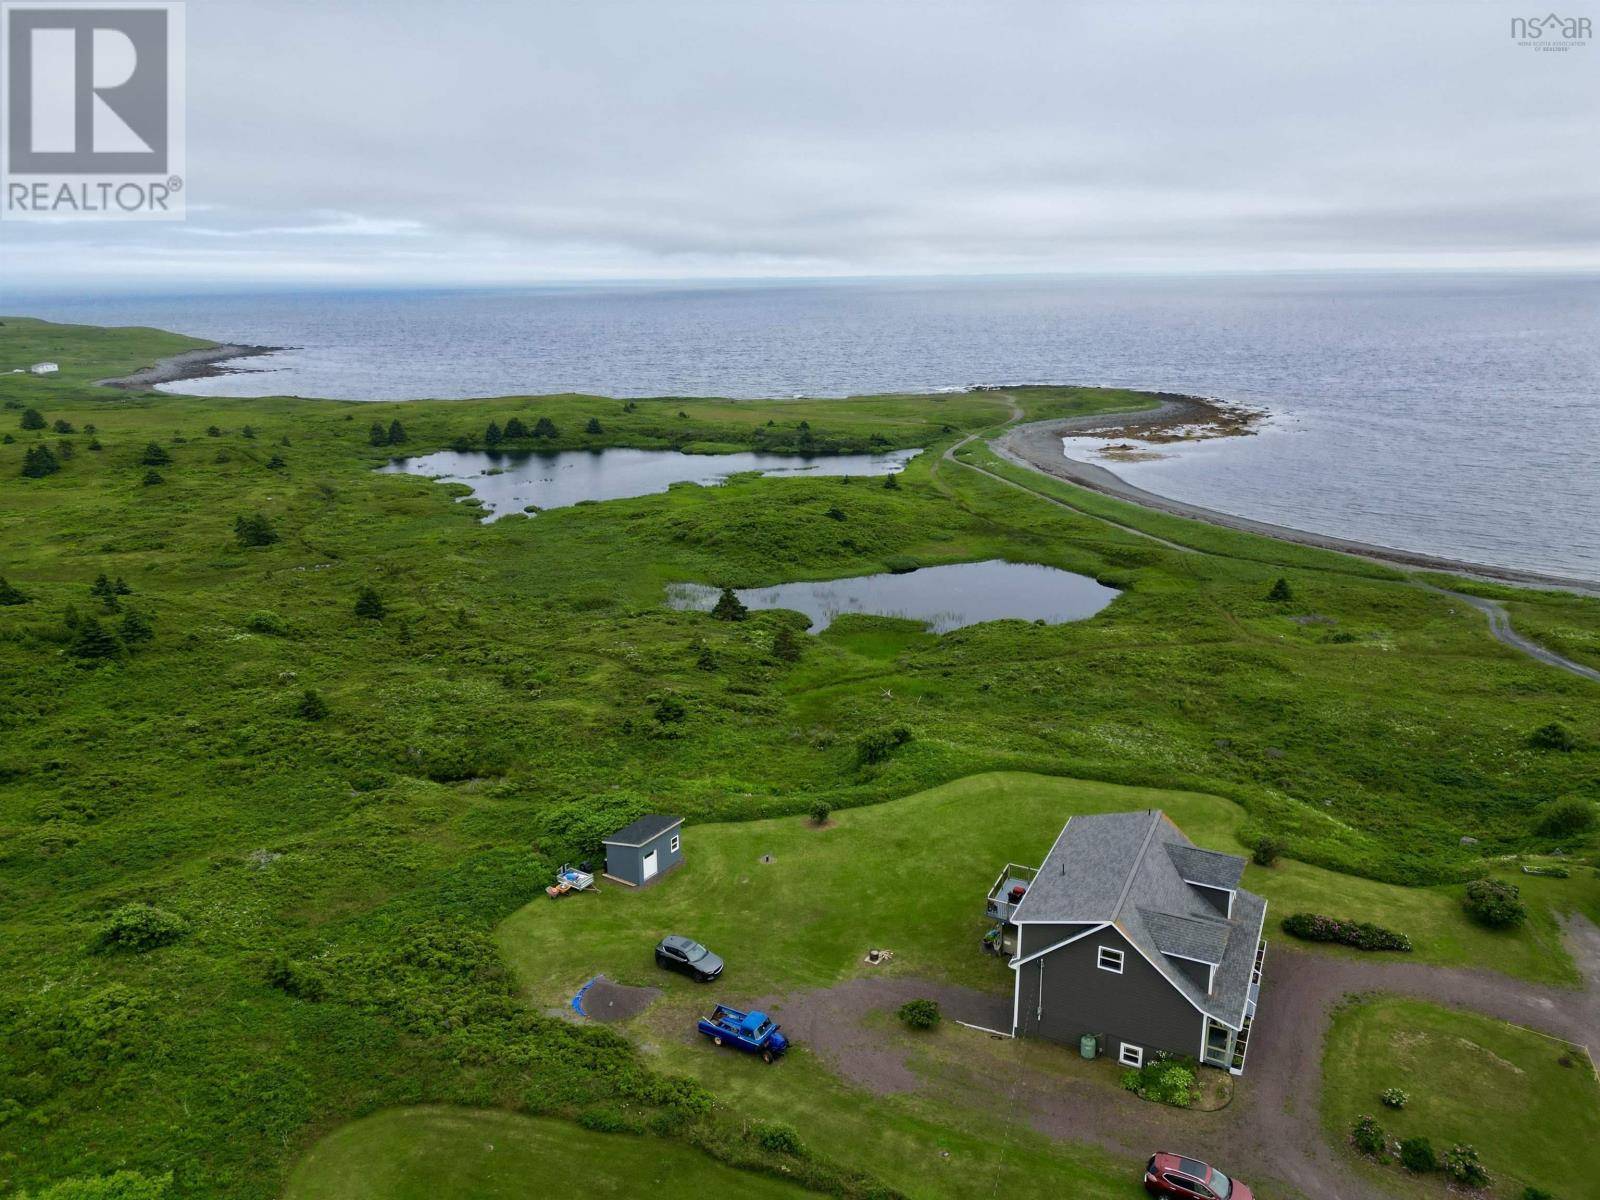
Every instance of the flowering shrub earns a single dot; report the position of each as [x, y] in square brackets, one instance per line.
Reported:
[1368, 1136]
[1164, 1081]
[1461, 1164]
[1394, 1098]
[1495, 904]
[1314, 927]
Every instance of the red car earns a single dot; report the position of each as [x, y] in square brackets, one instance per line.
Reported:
[1172, 1175]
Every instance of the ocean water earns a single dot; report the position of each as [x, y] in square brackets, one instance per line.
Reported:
[1457, 415]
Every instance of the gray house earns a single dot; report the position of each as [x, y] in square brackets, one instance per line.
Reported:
[637, 853]
[1130, 931]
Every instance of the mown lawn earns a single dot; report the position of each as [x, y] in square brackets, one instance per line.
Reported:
[466, 1154]
[1471, 1079]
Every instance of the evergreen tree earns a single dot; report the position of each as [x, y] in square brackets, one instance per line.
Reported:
[248, 432]
[729, 607]
[786, 645]
[276, 463]
[630, 406]
[593, 427]
[312, 706]
[155, 456]
[39, 462]
[62, 425]
[515, 429]
[152, 477]
[135, 628]
[70, 617]
[377, 435]
[254, 530]
[397, 433]
[94, 444]
[1280, 591]
[32, 419]
[705, 659]
[92, 640]
[891, 482]
[90, 429]
[9, 594]
[370, 605]
[102, 587]
[544, 427]
[121, 587]
[8, 440]
[65, 450]
[493, 435]
[213, 431]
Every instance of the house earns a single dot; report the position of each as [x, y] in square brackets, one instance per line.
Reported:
[637, 853]
[1131, 932]
[44, 368]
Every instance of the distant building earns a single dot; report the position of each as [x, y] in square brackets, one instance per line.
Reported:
[44, 368]
[637, 853]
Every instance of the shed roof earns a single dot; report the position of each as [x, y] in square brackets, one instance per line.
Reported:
[646, 829]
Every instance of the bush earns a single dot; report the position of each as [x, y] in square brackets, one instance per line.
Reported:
[1281, 592]
[152, 478]
[93, 641]
[1532, 1193]
[1266, 852]
[32, 418]
[39, 462]
[1554, 736]
[1566, 818]
[920, 1014]
[122, 1185]
[609, 1120]
[312, 707]
[778, 1138]
[295, 979]
[254, 530]
[1313, 927]
[669, 710]
[1368, 1136]
[1416, 1154]
[138, 928]
[1461, 1164]
[820, 812]
[1495, 904]
[877, 744]
[155, 456]
[10, 594]
[1394, 1098]
[263, 621]
[370, 605]
[1164, 1080]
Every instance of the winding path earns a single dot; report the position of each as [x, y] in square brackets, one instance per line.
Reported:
[1272, 1132]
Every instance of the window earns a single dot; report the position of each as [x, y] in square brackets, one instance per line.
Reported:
[1110, 959]
[1130, 1055]
[674, 843]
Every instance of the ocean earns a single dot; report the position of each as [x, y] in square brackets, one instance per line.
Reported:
[1452, 415]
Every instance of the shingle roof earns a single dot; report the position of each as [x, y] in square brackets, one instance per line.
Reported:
[1133, 870]
[645, 829]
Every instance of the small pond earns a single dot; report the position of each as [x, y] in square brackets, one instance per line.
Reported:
[943, 598]
[508, 482]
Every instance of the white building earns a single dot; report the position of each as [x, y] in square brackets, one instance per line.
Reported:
[44, 368]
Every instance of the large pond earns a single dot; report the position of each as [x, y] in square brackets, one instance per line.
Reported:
[509, 482]
[942, 598]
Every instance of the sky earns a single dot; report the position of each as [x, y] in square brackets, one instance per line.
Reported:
[345, 142]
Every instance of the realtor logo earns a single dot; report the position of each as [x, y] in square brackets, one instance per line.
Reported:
[1551, 32]
[93, 100]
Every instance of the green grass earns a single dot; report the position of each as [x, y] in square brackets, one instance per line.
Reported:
[1471, 1079]
[506, 704]
[460, 1154]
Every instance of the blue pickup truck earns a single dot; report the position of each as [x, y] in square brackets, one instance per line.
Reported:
[753, 1032]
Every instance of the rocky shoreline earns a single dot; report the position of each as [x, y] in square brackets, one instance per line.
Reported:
[191, 364]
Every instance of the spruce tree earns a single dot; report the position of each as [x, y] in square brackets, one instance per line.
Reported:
[515, 429]
[153, 477]
[544, 427]
[9, 594]
[593, 427]
[377, 435]
[370, 605]
[891, 482]
[121, 587]
[312, 706]
[397, 433]
[155, 456]
[1280, 591]
[729, 607]
[276, 463]
[254, 530]
[62, 425]
[213, 431]
[92, 640]
[32, 419]
[493, 435]
[248, 432]
[135, 628]
[786, 644]
[39, 462]
[102, 587]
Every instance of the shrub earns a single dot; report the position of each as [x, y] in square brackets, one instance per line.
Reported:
[729, 607]
[370, 605]
[1533, 1193]
[609, 1120]
[920, 1014]
[1281, 592]
[312, 706]
[263, 621]
[1554, 736]
[669, 710]
[135, 628]
[1461, 1164]
[877, 744]
[9, 594]
[155, 456]
[295, 979]
[778, 1138]
[1368, 1135]
[138, 928]
[1313, 927]
[786, 646]
[152, 478]
[820, 812]
[1266, 852]
[378, 435]
[1568, 817]
[32, 418]
[1394, 1098]
[92, 640]
[544, 427]
[121, 1185]
[1416, 1154]
[397, 433]
[892, 482]
[1494, 903]
[39, 462]
[1164, 1079]
[254, 530]
[592, 427]
[62, 425]
[276, 463]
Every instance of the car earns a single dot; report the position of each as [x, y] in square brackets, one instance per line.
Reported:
[689, 956]
[752, 1032]
[1181, 1178]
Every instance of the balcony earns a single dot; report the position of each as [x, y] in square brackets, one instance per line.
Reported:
[1008, 890]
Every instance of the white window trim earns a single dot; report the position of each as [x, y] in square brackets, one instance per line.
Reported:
[1101, 953]
[674, 843]
[1130, 1055]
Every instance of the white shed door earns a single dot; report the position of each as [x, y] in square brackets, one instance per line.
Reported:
[650, 865]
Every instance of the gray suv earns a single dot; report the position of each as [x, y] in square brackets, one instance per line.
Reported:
[684, 954]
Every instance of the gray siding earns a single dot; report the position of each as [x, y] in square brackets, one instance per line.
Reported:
[1139, 1006]
[1033, 938]
[627, 862]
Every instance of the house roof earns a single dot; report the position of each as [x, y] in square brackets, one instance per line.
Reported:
[646, 829]
[1137, 871]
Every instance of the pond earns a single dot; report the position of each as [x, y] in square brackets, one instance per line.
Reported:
[942, 598]
[508, 482]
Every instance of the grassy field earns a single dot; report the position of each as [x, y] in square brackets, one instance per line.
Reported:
[460, 1154]
[1470, 1079]
[335, 879]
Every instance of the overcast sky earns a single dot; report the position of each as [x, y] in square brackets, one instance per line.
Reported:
[460, 142]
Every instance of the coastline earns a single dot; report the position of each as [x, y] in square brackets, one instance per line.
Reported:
[190, 364]
[1036, 445]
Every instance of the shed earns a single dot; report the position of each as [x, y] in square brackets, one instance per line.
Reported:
[44, 368]
[650, 846]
